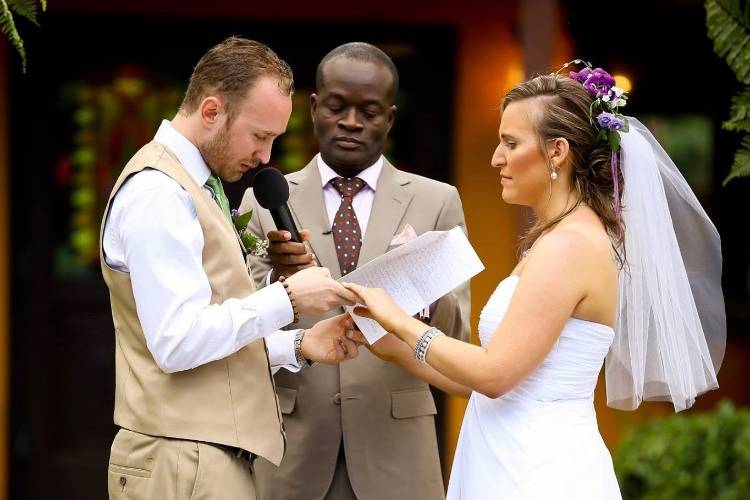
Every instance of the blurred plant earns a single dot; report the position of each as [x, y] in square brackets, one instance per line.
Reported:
[695, 456]
[24, 8]
[728, 23]
[104, 121]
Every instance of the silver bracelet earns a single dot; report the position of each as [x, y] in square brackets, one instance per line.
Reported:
[301, 360]
[423, 344]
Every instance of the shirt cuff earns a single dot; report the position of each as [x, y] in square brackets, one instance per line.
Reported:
[268, 277]
[280, 346]
[274, 305]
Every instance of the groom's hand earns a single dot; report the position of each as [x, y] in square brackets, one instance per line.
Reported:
[332, 340]
[288, 257]
[316, 293]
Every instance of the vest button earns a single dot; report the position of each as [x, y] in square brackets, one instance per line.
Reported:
[337, 398]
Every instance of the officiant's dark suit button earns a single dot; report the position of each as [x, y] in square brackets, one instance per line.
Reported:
[337, 398]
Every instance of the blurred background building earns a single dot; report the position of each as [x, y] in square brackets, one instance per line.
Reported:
[102, 74]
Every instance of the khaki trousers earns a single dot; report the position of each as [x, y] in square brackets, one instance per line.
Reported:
[144, 467]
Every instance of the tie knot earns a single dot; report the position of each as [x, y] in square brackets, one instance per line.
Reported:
[215, 184]
[348, 187]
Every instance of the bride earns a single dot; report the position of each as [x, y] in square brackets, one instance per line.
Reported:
[622, 263]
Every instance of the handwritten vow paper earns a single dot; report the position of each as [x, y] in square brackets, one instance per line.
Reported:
[417, 273]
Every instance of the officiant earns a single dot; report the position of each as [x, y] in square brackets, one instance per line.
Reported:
[364, 429]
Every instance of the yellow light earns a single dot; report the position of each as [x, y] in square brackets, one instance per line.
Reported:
[514, 75]
[623, 82]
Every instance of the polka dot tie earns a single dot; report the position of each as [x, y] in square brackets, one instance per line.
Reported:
[347, 235]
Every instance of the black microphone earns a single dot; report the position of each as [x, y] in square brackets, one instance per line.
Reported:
[272, 192]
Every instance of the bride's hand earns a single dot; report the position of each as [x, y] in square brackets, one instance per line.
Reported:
[378, 306]
[388, 348]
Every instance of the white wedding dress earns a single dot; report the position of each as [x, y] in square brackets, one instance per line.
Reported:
[541, 440]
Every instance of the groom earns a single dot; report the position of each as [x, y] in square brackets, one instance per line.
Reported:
[194, 397]
[365, 429]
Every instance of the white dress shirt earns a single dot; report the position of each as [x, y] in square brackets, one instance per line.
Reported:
[153, 233]
[361, 202]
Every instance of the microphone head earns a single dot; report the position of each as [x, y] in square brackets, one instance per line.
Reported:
[270, 188]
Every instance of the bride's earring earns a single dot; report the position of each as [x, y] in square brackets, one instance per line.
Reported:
[553, 175]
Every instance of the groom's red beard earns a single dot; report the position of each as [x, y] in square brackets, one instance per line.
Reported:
[217, 154]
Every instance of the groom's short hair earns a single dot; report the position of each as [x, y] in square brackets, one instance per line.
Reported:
[230, 69]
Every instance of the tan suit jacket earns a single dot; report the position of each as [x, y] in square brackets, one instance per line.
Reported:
[384, 415]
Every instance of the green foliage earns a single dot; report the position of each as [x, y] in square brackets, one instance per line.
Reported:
[8, 26]
[741, 166]
[739, 119]
[24, 8]
[686, 457]
[728, 23]
[241, 221]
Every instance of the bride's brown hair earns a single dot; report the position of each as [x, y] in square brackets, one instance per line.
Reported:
[563, 112]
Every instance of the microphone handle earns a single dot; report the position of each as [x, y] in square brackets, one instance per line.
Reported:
[282, 217]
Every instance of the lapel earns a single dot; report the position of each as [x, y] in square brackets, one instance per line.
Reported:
[388, 208]
[307, 206]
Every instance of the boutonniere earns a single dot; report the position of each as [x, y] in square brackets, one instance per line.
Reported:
[251, 243]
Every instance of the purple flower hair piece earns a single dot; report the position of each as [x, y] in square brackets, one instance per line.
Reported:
[607, 99]
[599, 82]
[582, 75]
[610, 121]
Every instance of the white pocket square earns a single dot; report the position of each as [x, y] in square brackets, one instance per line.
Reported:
[405, 236]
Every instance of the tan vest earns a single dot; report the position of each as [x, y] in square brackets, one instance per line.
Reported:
[230, 401]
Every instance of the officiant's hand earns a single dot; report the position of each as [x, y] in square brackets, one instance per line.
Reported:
[379, 306]
[332, 340]
[288, 257]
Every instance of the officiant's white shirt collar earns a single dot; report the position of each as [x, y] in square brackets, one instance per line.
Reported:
[369, 175]
[185, 151]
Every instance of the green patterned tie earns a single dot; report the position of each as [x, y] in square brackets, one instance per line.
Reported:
[220, 197]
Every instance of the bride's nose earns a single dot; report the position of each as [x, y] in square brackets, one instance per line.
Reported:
[498, 158]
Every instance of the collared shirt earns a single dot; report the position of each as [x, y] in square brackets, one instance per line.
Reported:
[361, 202]
[153, 233]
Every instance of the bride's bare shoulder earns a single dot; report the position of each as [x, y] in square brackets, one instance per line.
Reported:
[575, 245]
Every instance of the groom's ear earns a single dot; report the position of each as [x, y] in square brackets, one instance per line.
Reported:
[209, 110]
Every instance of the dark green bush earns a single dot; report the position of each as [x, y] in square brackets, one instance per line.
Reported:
[692, 456]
